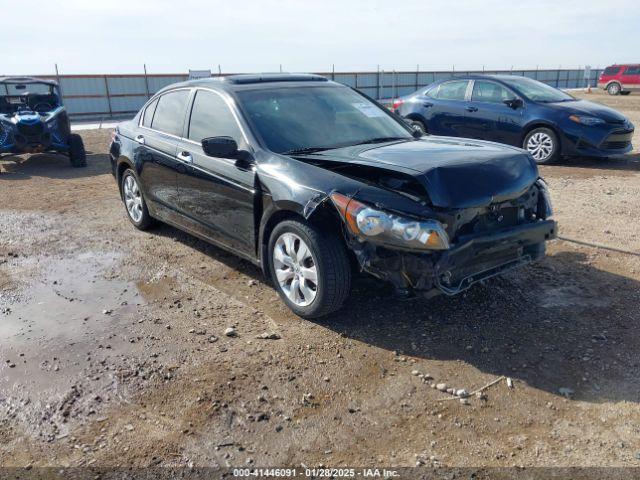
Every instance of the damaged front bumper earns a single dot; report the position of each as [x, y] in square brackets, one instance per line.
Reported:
[471, 259]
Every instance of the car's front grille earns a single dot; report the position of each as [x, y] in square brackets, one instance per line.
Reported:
[615, 145]
[30, 129]
[617, 140]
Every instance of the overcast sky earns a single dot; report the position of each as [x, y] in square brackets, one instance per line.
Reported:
[115, 36]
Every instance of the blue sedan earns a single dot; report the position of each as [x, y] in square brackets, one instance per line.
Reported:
[518, 111]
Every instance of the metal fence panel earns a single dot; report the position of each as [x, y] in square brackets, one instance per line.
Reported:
[98, 106]
[83, 85]
[346, 78]
[158, 82]
[129, 104]
[127, 85]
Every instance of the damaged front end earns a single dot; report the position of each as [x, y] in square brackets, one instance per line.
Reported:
[453, 248]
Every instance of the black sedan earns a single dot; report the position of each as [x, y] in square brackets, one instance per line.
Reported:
[306, 177]
[518, 111]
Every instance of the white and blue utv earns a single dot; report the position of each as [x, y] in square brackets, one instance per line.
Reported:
[33, 120]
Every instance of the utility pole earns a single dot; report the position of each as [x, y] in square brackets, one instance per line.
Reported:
[146, 80]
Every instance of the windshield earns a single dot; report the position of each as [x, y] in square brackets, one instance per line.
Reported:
[317, 118]
[538, 91]
[40, 97]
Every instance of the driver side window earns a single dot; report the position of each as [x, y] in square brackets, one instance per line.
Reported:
[211, 117]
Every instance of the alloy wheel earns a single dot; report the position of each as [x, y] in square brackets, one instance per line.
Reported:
[540, 146]
[295, 269]
[133, 198]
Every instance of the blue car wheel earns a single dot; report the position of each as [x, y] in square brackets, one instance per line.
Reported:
[542, 144]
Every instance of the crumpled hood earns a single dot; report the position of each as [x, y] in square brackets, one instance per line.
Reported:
[456, 173]
[585, 107]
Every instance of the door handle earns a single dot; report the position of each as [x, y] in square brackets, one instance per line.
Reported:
[427, 104]
[185, 157]
[471, 109]
[140, 139]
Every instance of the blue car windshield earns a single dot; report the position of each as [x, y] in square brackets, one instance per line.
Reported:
[305, 119]
[538, 91]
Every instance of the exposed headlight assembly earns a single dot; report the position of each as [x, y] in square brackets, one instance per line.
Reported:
[377, 226]
[586, 120]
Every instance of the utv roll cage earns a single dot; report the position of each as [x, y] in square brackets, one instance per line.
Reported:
[15, 94]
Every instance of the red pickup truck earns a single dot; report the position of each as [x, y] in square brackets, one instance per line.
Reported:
[620, 79]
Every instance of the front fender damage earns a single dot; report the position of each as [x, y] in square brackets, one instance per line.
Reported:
[487, 242]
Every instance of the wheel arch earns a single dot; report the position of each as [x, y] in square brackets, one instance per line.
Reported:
[122, 164]
[419, 118]
[323, 213]
[613, 81]
[540, 124]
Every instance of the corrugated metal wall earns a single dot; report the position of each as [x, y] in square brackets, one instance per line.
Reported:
[118, 96]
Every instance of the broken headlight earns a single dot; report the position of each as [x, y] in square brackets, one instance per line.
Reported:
[393, 230]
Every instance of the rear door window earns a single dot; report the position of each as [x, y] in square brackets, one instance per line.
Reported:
[490, 92]
[148, 113]
[634, 70]
[611, 70]
[455, 90]
[169, 115]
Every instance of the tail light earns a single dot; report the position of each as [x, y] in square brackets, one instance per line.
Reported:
[396, 104]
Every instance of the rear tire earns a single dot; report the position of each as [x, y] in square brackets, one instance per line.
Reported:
[543, 145]
[77, 153]
[133, 200]
[418, 125]
[614, 88]
[328, 261]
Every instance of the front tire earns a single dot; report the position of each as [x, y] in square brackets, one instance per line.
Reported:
[77, 153]
[309, 268]
[133, 200]
[614, 89]
[542, 143]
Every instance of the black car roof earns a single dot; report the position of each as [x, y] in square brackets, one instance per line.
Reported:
[20, 80]
[253, 80]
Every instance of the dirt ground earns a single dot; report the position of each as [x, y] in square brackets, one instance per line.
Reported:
[113, 352]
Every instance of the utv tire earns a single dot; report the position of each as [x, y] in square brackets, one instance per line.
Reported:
[134, 202]
[614, 88]
[543, 145]
[296, 248]
[77, 154]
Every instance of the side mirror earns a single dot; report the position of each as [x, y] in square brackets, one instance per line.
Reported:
[221, 147]
[416, 132]
[513, 103]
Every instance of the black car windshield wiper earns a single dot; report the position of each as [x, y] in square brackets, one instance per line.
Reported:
[303, 150]
[381, 140]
